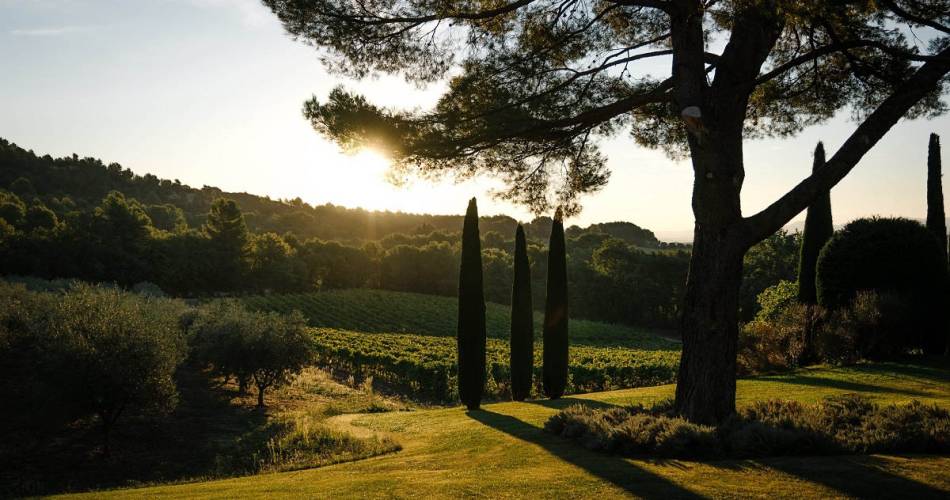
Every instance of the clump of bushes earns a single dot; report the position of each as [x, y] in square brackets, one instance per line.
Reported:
[775, 339]
[901, 261]
[838, 424]
[87, 351]
[871, 327]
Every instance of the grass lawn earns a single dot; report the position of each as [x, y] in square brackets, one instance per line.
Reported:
[501, 452]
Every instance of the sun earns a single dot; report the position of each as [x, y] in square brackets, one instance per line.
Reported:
[371, 160]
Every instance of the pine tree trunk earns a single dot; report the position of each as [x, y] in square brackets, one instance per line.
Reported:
[706, 384]
[522, 322]
[706, 381]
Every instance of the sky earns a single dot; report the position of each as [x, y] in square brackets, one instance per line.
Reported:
[210, 92]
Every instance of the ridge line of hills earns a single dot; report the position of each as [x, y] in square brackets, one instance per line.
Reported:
[75, 183]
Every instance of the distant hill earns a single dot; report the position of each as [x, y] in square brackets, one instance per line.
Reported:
[73, 183]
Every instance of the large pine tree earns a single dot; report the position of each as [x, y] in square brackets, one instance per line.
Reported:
[522, 322]
[554, 371]
[471, 325]
[818, 229]
[536, 85]
[936, 219]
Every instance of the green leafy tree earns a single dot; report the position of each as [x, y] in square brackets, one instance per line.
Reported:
[111, 352]
[23, 187]
[522, 322]
[271, 263]
[12, 209]
[167, 217]
[40, 217]
[471, 320]
[554, 371]
[532, 84]
[219, 339]
[280, 348]
[936, 218]
[889, 256]
[228, 237]
[119, 234]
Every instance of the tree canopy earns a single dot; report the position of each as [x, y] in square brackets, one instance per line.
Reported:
[533, 83]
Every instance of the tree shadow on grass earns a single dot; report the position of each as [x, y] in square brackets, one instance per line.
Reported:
[845, 385]
[207, 435]
[859, 476]
[562, 403]
[613, 469]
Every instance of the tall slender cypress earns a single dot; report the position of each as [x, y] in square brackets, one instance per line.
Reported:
[471, 325]
[818, 229]
[554, 371]
[936, 219]
[522, 322]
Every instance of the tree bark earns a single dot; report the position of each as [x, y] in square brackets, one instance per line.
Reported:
[706, 383]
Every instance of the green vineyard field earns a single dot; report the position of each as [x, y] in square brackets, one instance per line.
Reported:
[406, 342]
[382, 311]
[424, 366]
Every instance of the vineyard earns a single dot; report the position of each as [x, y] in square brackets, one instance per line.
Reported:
[380, 311]
[406, 342]
[424, 366]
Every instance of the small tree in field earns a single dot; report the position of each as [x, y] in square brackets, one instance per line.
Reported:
[531, 85]
[554, 371]
[280, 347]
[471, 321]
[266, 349]
[219, 337]
[522, 322]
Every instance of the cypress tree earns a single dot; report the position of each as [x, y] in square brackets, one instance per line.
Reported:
[818, 229]
[471, 320]
[554, 371]
[522, 322]
[936, 220]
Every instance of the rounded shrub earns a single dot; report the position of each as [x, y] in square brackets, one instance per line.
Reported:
[887, 255]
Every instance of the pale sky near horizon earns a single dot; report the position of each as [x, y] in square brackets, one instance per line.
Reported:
[210, 92]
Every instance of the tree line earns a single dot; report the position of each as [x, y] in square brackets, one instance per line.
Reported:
[118, 240]
[75, 183]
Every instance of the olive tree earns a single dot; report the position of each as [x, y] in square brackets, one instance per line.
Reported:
[533, 84]
[280, 347]
[266, 349]
[88, 351]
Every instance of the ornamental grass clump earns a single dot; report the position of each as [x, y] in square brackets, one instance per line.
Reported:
[837, 425]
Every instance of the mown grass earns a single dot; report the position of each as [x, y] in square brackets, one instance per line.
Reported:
[502, 452]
